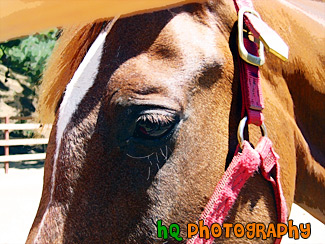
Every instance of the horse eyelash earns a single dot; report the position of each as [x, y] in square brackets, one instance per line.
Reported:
[161, 119]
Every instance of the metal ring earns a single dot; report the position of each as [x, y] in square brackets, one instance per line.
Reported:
[240, 131]
[244, 54]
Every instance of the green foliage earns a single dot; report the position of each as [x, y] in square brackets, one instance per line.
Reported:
[27, 56]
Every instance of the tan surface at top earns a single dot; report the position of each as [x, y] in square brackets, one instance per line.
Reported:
[24, 17]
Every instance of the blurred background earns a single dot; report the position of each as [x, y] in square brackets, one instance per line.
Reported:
[22, 140]
[22, 62]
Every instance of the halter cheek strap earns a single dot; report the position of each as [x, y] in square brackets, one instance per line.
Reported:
[242, 167]
[249, 71]
[249, 160]
[252, 56]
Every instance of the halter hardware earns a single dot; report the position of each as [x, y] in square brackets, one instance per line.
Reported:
[264, 34]
[240, 131]
[244, 54]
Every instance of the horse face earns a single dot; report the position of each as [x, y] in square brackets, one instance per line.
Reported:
[143, 131]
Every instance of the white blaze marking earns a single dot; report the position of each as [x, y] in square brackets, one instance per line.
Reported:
[82, 80]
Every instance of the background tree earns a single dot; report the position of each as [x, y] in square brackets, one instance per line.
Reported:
[27, 56]
[24, 60]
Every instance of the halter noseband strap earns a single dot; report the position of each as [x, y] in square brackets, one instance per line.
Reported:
[263, 157]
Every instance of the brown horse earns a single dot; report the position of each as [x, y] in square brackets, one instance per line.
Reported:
[146, 113]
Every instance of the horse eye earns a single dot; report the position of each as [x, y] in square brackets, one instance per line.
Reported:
[153, 126]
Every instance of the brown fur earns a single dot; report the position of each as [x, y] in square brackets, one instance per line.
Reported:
[102, 195]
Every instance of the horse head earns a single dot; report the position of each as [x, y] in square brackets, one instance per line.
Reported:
[146, 115]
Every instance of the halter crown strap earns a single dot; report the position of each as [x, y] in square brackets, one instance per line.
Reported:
[252, 56]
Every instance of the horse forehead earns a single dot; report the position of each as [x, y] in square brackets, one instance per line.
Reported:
[189, 34]
[183, 49]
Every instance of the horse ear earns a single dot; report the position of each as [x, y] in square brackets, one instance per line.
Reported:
[68, 53]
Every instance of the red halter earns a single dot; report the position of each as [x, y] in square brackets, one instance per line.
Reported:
[249, 160]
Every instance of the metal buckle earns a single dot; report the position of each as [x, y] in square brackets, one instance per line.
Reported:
[240, 131]
[244, 54]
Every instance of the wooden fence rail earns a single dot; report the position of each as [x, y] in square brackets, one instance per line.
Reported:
[19, 126]
[23, 142]
[7, 142]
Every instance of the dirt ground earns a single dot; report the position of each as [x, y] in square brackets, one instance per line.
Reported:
[20, 192]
